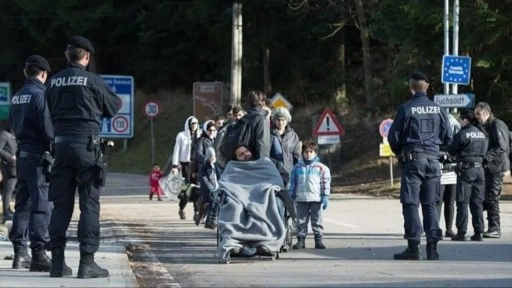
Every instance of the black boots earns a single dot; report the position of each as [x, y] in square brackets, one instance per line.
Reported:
[319, 244]
[59, 267]
[89, 269]
[211, 217]
[432, 250]
[300, 244]
[412, 252]
[40, 261]
[21, 260]
[477, 237]
[459, 237]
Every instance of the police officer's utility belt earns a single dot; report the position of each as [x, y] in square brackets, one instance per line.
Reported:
[406, 156]
[466, 165]
[72, 139]
[31, 156]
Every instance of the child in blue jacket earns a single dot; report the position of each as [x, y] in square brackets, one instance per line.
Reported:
[310, 187]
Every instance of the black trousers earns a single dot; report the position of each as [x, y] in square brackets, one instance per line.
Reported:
[493, 184]
[32, 209]
[9, 183]
[470, 192]
[74, 168]
[420, 184]
[447, 197]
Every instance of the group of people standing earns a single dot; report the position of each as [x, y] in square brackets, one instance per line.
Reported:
[196, 152]
[480, 149]
[55, 122]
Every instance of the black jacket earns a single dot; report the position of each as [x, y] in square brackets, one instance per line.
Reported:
[30, 118]
[469, 145]
[203, 143]
[260, 133]
[420, 126]
[499, 142]
[78, 99]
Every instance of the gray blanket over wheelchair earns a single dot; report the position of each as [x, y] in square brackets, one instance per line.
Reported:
[249, 217]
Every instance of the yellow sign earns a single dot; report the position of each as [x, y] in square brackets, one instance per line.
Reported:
[279, 101]
[385, 150]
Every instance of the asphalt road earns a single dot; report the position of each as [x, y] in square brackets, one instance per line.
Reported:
[361, 235]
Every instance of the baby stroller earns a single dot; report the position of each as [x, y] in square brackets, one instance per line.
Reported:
[254, 211]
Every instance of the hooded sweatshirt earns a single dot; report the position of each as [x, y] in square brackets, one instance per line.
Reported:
[183, 148]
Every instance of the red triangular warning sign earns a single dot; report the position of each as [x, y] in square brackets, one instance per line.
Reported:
[328, 124]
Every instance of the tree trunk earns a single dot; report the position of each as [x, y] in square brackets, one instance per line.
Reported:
[341, 93]
[267, 86]
[367, 61]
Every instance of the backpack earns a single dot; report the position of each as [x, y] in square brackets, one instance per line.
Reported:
[231, 136]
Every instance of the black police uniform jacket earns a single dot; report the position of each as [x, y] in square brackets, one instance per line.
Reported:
[496, 157]
[78, 99]
[30, 118]
[469, 145]
[420, 126]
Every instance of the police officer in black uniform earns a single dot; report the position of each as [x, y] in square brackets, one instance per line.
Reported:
[77, 100]
[419, 128]
[30, 123]
[469, 147]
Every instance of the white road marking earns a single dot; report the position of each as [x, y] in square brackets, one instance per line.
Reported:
[340, 223]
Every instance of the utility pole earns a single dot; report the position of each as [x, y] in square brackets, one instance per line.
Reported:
[455, 51]
[446, 21]
[236, 55]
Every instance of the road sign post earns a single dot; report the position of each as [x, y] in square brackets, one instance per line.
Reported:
[151, 109]
[384, 148]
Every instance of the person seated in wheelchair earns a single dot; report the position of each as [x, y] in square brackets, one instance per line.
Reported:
[251, 217]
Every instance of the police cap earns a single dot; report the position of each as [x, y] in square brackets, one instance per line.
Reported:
[419, 76]
[467, 114]
[81, 42]
[39, 62]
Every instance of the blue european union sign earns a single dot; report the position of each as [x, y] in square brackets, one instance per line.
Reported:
[456, 70]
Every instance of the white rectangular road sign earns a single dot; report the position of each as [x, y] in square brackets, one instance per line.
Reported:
[121, 125]
[455, 101]
[328, 139]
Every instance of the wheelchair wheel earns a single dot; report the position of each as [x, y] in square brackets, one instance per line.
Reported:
[228, 259]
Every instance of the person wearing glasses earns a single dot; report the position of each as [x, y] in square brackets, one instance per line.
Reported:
[183, 155]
